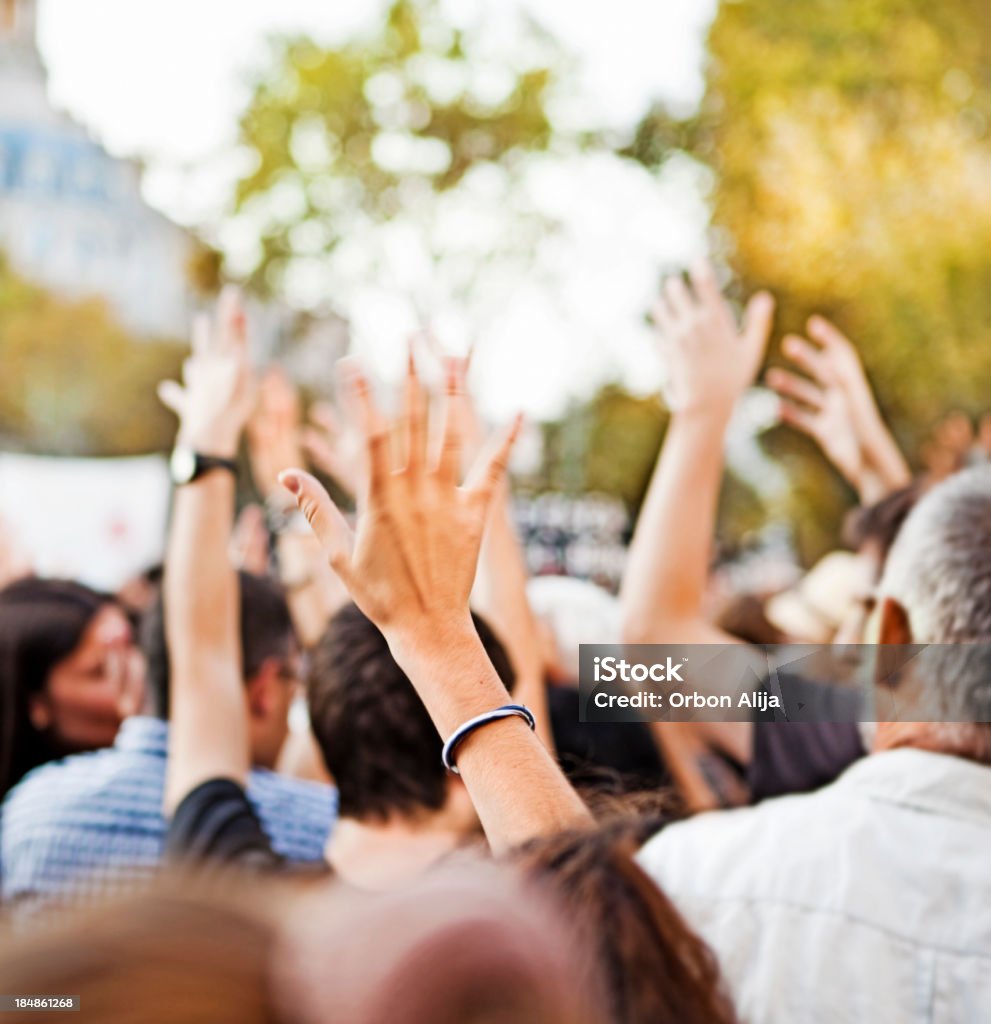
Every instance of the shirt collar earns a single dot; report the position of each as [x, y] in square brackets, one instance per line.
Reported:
[940, 783]
[143, 735]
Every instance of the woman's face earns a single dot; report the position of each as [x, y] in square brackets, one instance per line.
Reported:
[90, 692]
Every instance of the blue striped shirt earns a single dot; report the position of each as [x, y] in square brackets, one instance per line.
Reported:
[74, 829]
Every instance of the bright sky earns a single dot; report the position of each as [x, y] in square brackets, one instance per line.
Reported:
[166, 80]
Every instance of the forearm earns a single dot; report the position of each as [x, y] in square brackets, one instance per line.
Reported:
[209, 731]
[668, 560]
[870, 485]
[200, 584]
[885, 458]
[880, 450]
[500, 596]
[517, 788]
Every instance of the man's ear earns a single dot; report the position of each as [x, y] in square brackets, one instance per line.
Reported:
[894, 640]
[261, 688]
[893, 624]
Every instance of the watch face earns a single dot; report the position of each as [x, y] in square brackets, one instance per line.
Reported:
[183, 465]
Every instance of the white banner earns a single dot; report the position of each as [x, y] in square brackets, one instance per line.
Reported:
[99, 521]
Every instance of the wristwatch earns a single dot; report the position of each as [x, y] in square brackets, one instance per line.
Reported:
[187, 465]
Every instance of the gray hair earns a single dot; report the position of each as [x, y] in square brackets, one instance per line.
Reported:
[939, 571]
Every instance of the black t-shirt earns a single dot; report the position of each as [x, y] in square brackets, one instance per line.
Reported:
[799, 756]
[626, 748]
[216, 824]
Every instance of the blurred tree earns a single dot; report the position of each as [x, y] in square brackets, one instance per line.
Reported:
[205, 270]
[609, 445]
[74, 380]
[347, 136]
[852, 158]
[622, 441]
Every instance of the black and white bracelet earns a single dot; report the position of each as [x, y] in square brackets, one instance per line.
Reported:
[463, 731]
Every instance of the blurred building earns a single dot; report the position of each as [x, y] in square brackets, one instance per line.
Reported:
[583, 536]
[72, 216]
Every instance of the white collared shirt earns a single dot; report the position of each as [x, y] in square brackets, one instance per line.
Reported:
[869, 900]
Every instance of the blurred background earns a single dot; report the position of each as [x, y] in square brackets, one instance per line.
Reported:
[517, 176]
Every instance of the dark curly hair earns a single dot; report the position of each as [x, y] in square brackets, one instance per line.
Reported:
[376, 737]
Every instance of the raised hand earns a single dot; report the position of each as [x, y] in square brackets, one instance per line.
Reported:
[411, 561]
[334, 447]
[711, 361]
[833, 364]
[208, 735]
[823, 412]
[834, 358]
[216, 396]
[274, 430]
[409, 566]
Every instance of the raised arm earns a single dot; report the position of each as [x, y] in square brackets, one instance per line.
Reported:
[209, 727]
[711, 363]
[275, 439]
[500, 593]
[835, 406]
[409, 566]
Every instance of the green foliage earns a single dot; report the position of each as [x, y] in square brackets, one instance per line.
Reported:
[205, 270]
[852, 158]
[610, 445]
[623, 439]
[74, 380]
[352, 134]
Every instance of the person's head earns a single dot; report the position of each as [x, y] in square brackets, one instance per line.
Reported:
[375, 735]
[188, 955]
[270, 662]
[464, 946]
[871, 533]
[655, 968]
[468, 943]
[67, 673]
[936, 590]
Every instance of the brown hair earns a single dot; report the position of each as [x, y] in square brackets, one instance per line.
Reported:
[376, 737]
[656, 969]
[168, 955]
[880, 523]
[468, 943]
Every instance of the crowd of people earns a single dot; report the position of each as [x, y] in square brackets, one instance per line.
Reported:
[327, 763]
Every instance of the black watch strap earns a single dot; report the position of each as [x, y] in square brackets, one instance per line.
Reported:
[187, 465]
[204, 463]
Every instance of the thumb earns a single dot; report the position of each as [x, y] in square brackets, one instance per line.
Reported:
[324, 517]
[171, 395]
[757, 320]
